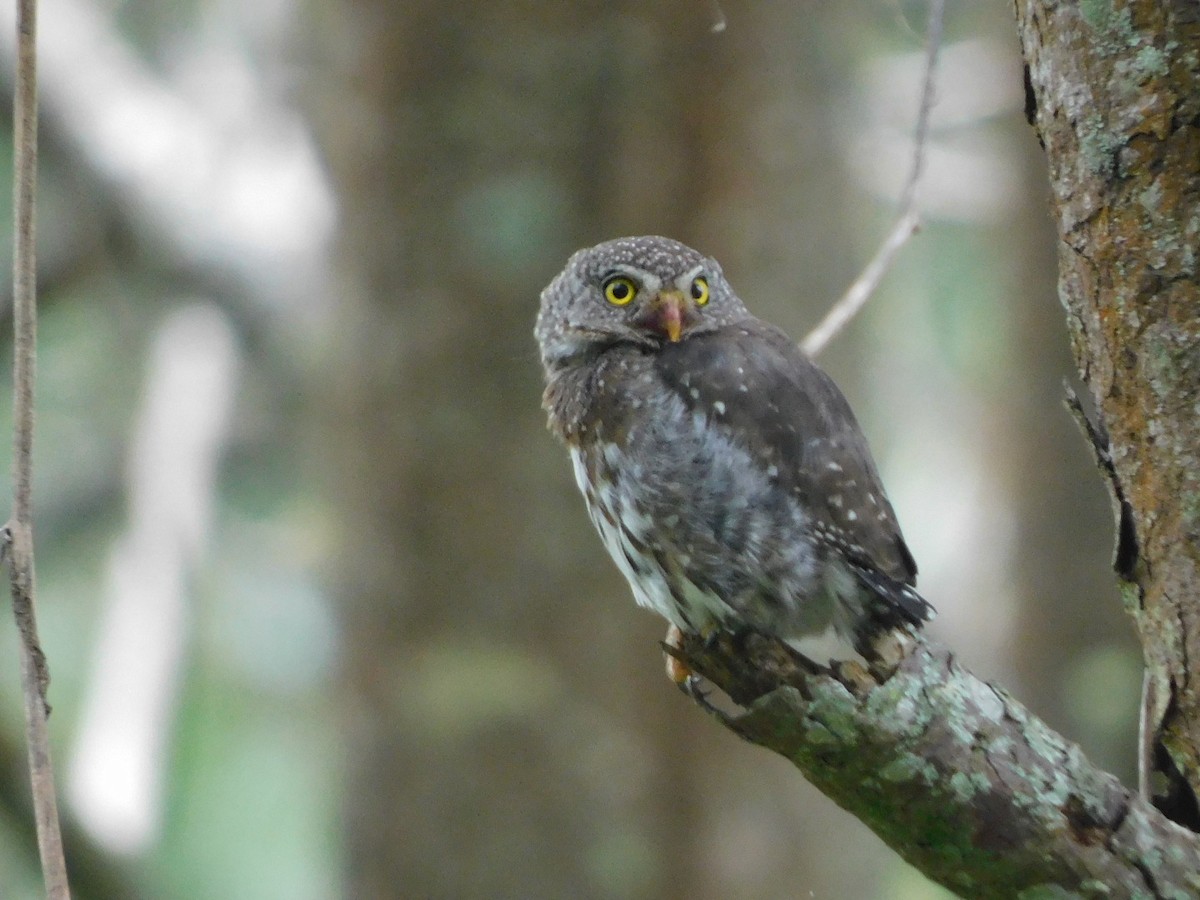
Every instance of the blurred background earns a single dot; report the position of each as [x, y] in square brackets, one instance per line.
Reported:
[324, 613]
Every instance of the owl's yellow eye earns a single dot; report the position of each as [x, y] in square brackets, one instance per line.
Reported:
[619, 290]
[700, 290]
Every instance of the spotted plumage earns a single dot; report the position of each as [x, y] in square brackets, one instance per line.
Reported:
[723, 470]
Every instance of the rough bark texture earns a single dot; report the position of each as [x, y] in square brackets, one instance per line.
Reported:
[1115, 97]
[954, 774]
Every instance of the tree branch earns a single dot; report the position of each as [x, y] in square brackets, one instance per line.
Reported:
[864, 286]
[907, 221]
[952, 773]
[19, 530]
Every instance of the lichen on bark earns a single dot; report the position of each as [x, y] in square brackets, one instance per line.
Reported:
[953, 773]
[1117, 98]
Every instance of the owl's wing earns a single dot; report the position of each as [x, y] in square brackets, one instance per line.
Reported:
[752, 380]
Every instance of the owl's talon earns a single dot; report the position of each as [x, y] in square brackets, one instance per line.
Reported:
[677, 669]
[685, 679]
[694, 688]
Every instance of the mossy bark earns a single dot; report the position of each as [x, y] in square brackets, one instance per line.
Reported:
[1115, 98]
[952, 773]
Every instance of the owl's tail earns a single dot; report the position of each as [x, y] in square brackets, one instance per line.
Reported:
[895, 603]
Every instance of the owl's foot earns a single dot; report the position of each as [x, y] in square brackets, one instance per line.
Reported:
[685, 679]
[677, 669]
[693, 686]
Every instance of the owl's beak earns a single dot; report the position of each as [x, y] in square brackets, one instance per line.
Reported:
[668, 313]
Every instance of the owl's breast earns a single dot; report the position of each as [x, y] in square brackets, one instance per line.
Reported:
[695, 523]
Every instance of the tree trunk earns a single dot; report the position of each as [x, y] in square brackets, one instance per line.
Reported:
[1115, 95]
[491, 677]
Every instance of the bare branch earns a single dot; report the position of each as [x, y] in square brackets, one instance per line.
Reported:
[24, 256]
[907, 222]
[863, 287]
[271, 242]
[952, 773]
[933, 44]
[19, 531]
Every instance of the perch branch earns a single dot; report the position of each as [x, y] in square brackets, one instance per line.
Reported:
[907, 221]
[18, 533]
[952, 773]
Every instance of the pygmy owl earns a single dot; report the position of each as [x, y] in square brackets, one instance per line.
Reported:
[724, 471]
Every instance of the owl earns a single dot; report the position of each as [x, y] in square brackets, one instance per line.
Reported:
[724, 471]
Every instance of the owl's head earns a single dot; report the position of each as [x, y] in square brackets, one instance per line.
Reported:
[643, 290]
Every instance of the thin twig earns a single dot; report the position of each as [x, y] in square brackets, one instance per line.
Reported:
[18, 534]
[863, 287]
[933, 44]
[907, 221]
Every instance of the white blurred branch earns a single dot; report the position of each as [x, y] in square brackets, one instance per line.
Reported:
[228, 177]
[119, 760]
